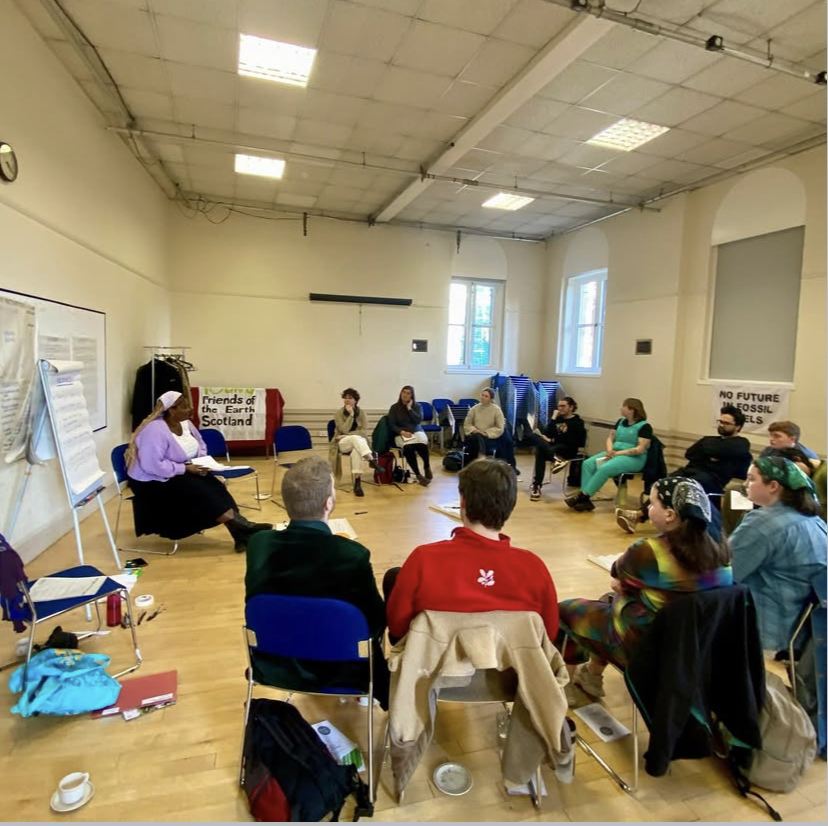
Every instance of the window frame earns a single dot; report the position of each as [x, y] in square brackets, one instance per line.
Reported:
[496, 326]
[569, 326]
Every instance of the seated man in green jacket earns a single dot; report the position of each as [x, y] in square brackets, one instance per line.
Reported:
[307, 560]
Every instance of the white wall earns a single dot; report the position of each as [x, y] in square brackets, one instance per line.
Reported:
[82, 224]
[240, 299]
[660, 283]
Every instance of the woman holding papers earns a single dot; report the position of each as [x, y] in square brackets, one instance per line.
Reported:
[175, 497]
[404, 419]
[683, 559]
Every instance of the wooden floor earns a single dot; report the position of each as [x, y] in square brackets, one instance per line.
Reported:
[181, 763]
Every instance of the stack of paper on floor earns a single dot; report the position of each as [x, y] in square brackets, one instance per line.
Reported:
[603, 561]
[602, 722]
[451, 509]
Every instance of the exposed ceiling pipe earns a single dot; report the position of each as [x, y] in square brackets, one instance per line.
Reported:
[714, 43]
[408, 173]
[802, 146]
[104, 81]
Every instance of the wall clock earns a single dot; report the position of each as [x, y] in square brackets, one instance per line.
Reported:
[8, 163]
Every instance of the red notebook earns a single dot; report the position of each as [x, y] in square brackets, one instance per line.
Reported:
[142, 692]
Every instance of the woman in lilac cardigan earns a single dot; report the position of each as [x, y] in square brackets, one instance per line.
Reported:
[174, 497]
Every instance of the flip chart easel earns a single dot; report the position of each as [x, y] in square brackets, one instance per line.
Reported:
[60, 428]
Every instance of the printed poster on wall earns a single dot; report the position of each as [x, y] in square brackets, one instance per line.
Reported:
[761, 403]
[238, 412]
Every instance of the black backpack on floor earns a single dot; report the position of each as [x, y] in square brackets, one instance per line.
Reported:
[287, 768]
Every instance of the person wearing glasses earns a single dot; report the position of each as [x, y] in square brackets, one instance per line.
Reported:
[712, 461]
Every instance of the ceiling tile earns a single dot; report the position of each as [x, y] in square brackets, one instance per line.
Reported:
[629, 163]
[321, 133]
[587, 156]
[624, 93]
[69, 57]
[219, 12]
[341, 73]
[200, 82]
[756, 16]
[744, 157]
[169, 152]
[185, 41]
[115, 26]
[545, 146]
[136, 71]
[580, 124]
[479, 159]
[533, 23]
[504, 139]
[437, 126]
[437, 49]
[369, 33]
[291, 199]
[803, 33]
[106, 103]
[672, 143]
[619, 47]
[284, 20]
[675, 106]
[577, 81]
[727, 77]
[412, 88]
[536, 114]
[809, 108]
[713, 152]
[204, 114]
[668, 11]
[389, 117]
[515, 165]
[406, 7]
[327, 106]
[670, 170]
[497, 63]
[256, 121]
[145, 104]
[375, 142]
[673, 62]
[419, 150]
[464, 99]
[723, 117]
[352, 177]
[777, 91]
[272, 97]
[770, 127]
[481, 16]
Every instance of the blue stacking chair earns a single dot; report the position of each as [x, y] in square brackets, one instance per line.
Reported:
[428, 424]
[312, 628]
[288, 438]
[37, 611]
[468, 402]
[217, 446]
[119, 470]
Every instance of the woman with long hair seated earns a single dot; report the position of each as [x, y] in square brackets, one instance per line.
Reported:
[779, 548]
[682, 559]
[627, 445]
[404, 419]
[350, 439]
[174, 497]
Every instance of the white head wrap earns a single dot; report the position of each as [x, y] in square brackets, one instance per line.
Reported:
[169, 398]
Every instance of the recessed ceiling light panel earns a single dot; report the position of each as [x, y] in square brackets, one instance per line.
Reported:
[627, 134]
[263, 167]
[505, 200]
[272, 60]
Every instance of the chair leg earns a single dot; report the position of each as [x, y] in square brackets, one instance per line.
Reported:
[138, 660]
[631, 789]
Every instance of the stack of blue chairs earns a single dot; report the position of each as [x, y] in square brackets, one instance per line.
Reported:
[547, 394]
[516, 394]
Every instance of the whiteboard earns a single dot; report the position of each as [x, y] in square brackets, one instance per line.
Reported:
[69, 333]
[61, 428]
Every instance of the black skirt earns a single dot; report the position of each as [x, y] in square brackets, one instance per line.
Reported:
[179, 507]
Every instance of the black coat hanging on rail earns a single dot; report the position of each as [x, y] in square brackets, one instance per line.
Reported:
[144, 395]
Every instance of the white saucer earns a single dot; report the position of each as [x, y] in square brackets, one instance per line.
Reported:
[57, 806]
[452, 778]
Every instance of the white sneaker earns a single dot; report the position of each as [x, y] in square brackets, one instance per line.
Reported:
[626, 519]
[558, 465]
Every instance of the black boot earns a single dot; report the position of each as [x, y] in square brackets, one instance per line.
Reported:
[244, 522]
[358, 491]
[242, 529]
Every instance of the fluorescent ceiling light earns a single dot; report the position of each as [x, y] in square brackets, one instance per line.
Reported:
[264, 167]
[627, 134]
[272, 60]
[503, 200]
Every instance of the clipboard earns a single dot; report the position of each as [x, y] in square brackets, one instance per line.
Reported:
[143, 692]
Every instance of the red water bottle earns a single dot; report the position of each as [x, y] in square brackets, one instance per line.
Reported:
[113, 610]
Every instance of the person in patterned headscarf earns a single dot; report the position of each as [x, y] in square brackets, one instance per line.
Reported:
[780, 548]
[684, 558]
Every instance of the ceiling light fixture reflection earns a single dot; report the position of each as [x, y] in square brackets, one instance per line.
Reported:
[272, 60]
[263, 167]
[627, 134]
[505, 200]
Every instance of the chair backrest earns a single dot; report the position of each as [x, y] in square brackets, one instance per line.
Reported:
[292, 437]
[119, 468]
[214, 441]
[468, 402]
[440, 404]
[428, 412]
[331, 429]
[313, 628]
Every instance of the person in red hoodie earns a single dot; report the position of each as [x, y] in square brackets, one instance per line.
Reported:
[478, 569]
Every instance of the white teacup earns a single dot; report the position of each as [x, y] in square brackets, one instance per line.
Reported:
[72, 788]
